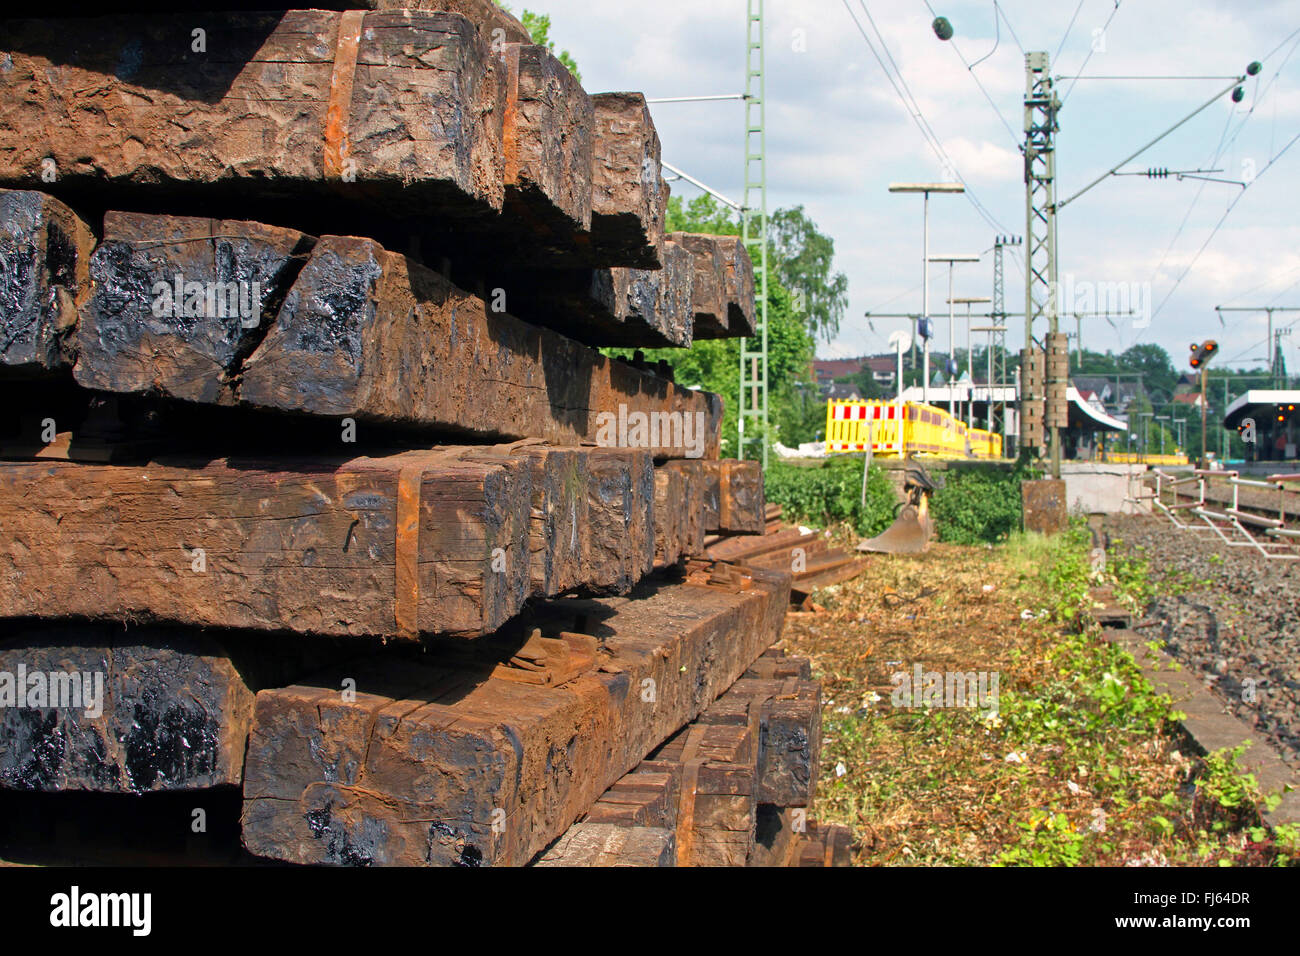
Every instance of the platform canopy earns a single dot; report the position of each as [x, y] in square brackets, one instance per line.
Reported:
[1262, 403]
[1081, 413]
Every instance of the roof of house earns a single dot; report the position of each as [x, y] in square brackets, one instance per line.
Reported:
[828, 369]
[841, 391]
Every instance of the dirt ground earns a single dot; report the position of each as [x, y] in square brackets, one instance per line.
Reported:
[1078, 764]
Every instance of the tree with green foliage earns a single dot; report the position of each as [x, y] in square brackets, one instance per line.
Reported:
[795, 410]
[538, 26]
[804, 257]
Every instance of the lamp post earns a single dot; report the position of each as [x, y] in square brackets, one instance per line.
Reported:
[992, 330]
[968, 301]
[1146, 421]
[1163, 418]
[925, 189]
[952, 339]
[901, 341]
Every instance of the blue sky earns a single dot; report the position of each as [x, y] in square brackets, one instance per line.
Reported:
[838, 135]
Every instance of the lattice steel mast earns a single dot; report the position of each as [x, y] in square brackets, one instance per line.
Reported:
[753, 351]
[1041, 106]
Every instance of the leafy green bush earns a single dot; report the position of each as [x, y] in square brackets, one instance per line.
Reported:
[978, 505]
[831, 493]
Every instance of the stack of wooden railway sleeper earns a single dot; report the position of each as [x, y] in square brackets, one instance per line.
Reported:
[318, 500]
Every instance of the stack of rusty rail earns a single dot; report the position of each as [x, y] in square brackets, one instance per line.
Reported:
[803, 552]
[315, 489]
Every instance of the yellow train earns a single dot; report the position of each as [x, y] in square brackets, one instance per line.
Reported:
[891, 429]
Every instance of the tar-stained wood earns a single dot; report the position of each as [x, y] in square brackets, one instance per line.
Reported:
[739, 287]
[735, 497]
[621, 512]
[433, 765]
[669, 516]
[310, 546]
[693, 506]
[601, 844]
[629, 198]
[398, 112]
[157, 709]
[727, 781]
[593, 516]
[756, 548]
[654, 307]
[45, 250]
[776, 664]
[708, 299]
[717, 800]
[616, 307]
[420, 541]
[646, 797]
[824, 844]
[547, 145]
[777, 835]
[178, 302]
[786, 716]
[370, 334]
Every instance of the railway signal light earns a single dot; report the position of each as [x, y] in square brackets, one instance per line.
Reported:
[1202, 353]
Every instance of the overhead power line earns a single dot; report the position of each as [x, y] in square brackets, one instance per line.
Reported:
[1061, 46]
[1232, 205]
[970, 68]
[1091, 50]
[914, 111]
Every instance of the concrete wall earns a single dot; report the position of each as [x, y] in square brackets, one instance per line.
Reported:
[1094, 488]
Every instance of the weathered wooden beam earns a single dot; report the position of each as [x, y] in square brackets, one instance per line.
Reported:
[620, 544]
[653, 308]
[825, 844]
[177, 303]
[547, 147]
[723, 289]
[629, 198]
[438, 765]
[648, 796]
[776, 665]
[383, 547]
[380, 113]
[96, 708]
[716, 768]
[692, 504]
[624, 308]
[785, 714]
[452, 540]
[601, 844]
[371, 335]
[734, 501]
[45, 250]
[757, 744]
[708, 299]
[738, 290]
[777, 836]
[358, 332]
[669, 516]
[594, 514]
[780, 546]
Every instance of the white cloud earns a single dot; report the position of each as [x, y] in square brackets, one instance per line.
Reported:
[837, 135]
